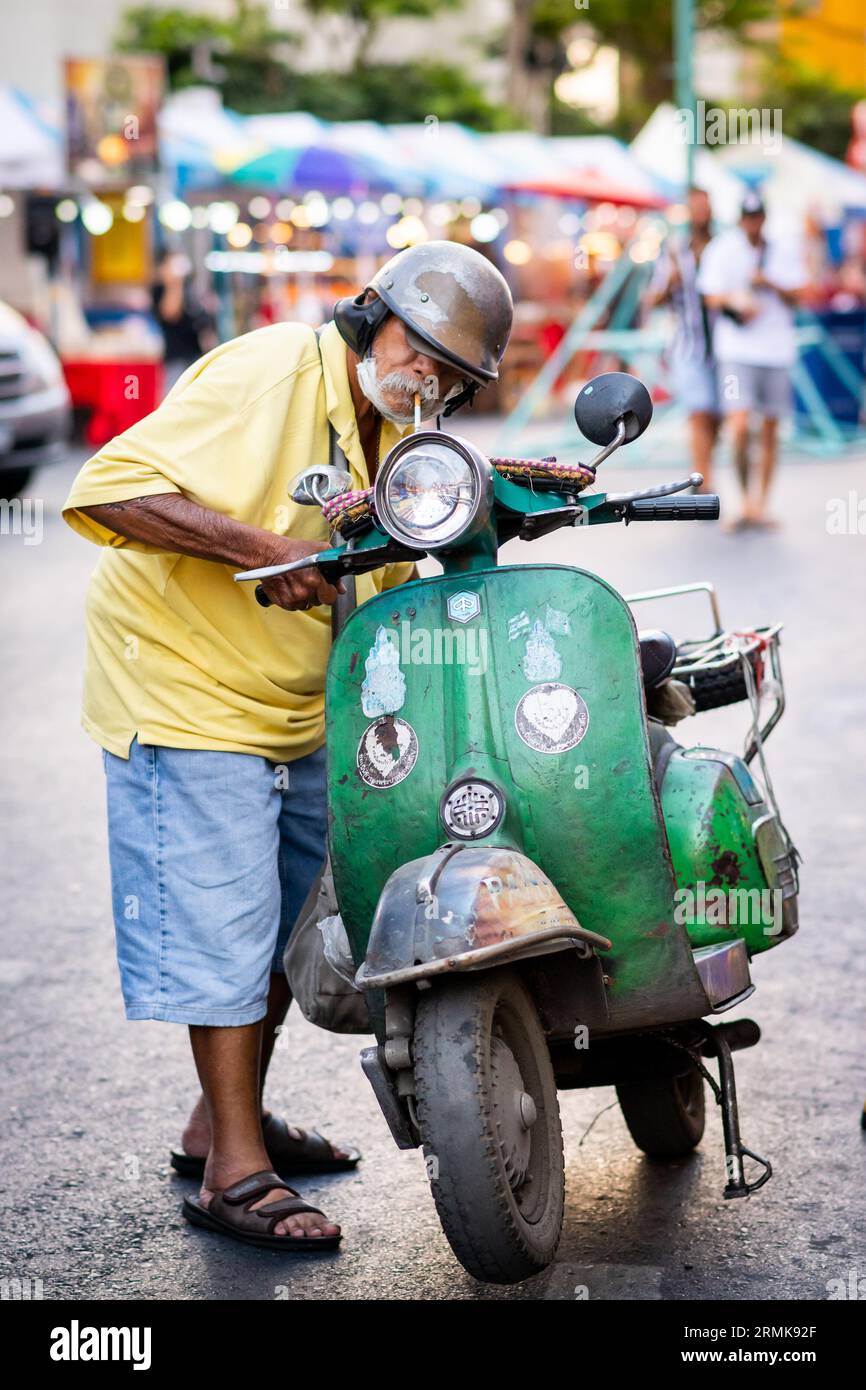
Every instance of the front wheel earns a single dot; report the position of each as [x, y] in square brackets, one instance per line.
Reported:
[665, 1116]
[489, 1120]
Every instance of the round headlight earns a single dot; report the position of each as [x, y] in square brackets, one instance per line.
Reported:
[432, 490]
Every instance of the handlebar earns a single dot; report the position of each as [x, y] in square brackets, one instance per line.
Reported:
[703, 507]
[700, 507]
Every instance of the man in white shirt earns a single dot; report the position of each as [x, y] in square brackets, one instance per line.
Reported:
[754, 286]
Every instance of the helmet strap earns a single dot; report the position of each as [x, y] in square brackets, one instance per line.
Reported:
[464, 397]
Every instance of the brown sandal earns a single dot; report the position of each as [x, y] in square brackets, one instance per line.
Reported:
[231, 1213]
[311, 1153]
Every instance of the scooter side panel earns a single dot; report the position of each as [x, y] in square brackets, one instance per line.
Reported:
[723, 889]
[529, 677]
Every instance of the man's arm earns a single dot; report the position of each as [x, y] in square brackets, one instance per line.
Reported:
[171, 522]
[791, 297]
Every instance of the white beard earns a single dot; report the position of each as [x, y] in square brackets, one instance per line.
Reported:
[374, 390]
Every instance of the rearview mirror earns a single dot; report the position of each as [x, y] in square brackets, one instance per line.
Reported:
[609, 399]
[319, 483]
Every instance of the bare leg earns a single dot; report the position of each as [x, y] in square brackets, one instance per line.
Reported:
[768, 456]
[196, 1136]
[703, 429]
[228, 1061]
[739, 420]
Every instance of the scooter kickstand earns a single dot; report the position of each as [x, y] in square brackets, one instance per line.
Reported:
[726, 1097]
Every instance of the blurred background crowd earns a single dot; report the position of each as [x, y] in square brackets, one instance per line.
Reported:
[674, 188]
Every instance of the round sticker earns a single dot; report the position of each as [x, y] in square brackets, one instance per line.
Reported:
[551, 718]
[387, 752]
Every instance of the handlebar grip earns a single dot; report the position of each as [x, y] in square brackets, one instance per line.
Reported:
[703, 507]
[261, 597]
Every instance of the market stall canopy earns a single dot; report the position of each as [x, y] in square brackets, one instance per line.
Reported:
[377, 142]
[301, 152]
[555, 168]
[659, 149]
[797, 181]
[199, 140]
[452, 156]
[31, 150]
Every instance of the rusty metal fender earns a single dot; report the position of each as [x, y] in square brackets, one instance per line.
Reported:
[467, 907]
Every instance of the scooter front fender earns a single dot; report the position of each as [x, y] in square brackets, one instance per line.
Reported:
[467, 907]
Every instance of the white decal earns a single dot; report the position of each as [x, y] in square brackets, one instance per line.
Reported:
[384, 687]
[551, 718]
[387, 752]
[541, 661]
[556, 621]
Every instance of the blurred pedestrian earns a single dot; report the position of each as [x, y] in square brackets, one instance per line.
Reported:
[187, 327]
[693, 369]
[754, 285]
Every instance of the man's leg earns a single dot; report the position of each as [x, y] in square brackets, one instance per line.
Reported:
[703, 429]
[194, 857]
[228, 1061]
[774, 404]
[768, 456]
[739, 426]
[196, 1135]
[303, 828]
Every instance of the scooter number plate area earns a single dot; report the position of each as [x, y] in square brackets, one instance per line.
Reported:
[551, 718]
[387, 752]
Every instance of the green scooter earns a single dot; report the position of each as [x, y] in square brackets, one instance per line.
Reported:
[540, 887]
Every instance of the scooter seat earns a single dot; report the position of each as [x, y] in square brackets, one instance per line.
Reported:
[658, 654]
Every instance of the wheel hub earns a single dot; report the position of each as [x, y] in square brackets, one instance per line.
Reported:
[514, 1111]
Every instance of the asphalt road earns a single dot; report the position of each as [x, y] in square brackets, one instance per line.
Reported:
[91, 1104]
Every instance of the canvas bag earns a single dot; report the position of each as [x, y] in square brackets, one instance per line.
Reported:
[325, 996]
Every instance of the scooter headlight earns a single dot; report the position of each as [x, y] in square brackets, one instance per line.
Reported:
[432, 490]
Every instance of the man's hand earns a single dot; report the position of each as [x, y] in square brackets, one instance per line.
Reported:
[300, 589]
[173, 523]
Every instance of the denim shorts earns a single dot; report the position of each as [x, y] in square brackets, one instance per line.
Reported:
[212, 855]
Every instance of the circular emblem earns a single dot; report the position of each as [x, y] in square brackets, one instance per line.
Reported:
[551, 718]
[471, 810]
[387, 752]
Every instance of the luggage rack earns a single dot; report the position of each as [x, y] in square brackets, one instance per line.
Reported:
[728, 666]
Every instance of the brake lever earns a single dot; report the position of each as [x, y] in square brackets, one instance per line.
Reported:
[663, 490]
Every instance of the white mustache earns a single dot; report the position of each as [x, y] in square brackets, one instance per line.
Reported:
[376, 391]
[428, 389]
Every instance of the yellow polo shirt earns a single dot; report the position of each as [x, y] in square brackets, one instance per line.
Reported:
[177, 652]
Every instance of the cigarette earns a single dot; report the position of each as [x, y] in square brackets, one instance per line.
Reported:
[417, 410]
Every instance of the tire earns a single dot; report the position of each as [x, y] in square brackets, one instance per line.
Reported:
[13, 481]
[666, 1116]
[489, 1119]
[713, 689]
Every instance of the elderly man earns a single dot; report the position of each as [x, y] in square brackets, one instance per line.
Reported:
[210, 709]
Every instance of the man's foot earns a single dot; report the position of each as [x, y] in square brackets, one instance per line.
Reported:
[299, 1224]
[242, 1209]
[290, 1150]
[196, 1137]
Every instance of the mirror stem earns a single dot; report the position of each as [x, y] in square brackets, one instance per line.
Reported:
[618, 439]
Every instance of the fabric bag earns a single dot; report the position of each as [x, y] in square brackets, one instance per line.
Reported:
[322, 983]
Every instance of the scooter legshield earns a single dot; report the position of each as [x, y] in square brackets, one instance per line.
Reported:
[527, 679]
